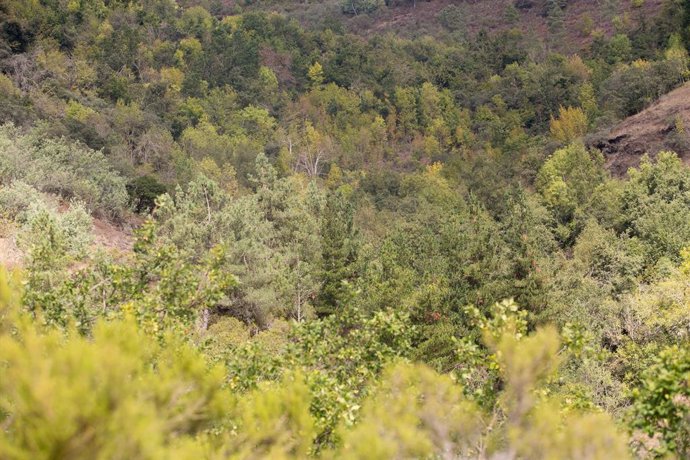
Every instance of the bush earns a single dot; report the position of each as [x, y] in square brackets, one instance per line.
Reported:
[566, 182]
[120, 394]
[42, 226]
[656, 206]
[633, 87]
[46, 230]
[662, 403]
[453, 17]
[65, 168]
[16, 198]
[143, 192]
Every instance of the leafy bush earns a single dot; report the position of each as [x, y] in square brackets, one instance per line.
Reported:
[453, 17]
[157, 285]
[15, 199]
[656, 206]
[570, 126]
[662, 403]
[61, 167]
[631, 88]
[121, 392]
[241, 257]
[143, 192]
[324, 401]
[566, 182]
[70, 231]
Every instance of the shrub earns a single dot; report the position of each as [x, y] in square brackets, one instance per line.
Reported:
[65, 168]
[44, 229]
[570, 125]
[662, 403]
[656, 206]
[143, 192]
[120, 394]
[453, 17]
[566, 182]
[16, 198]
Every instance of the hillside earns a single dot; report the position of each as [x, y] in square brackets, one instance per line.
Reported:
[357, 229]
[115, 239]
[572, 30]
[660, 127]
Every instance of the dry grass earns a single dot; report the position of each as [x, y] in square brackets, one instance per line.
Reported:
[665, 125]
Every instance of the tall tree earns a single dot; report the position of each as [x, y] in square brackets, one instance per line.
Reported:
[338, 251]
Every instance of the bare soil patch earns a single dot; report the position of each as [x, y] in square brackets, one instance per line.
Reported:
[665, 125]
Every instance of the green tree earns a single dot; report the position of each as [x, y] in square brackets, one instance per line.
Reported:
[655, 206]
[566, 183]
[662, 402]
[338, 253]
[570, 126]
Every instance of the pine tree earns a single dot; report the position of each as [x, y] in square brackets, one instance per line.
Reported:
[338, 252]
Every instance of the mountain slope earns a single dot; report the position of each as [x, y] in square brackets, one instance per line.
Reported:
[569, 31]
[662, 126]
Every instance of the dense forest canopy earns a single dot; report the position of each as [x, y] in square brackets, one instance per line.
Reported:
[343, 229]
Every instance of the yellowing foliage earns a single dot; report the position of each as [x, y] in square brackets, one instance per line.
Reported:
[570, 125]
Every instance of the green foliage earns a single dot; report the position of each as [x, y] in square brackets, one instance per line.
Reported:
[661, 402]
[570, 125]
[612, 261]
[272, 239]
[630, 88]
[143, 192]
[655, 206]
[61, 167]
[336, 217]
[157, 286]
[325, 404]
[338, 253]
[121, 392]
[339, 358]
[453, 17]
[344, 356]
[477, 366]
[566, 182]
[46, 233]
[16, 198]
[414, 413]
[275, 422]
[360, 6]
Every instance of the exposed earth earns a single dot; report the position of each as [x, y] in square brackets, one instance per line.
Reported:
[116, 239]
[665, 125]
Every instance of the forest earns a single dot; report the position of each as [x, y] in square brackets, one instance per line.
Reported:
[344, 229]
